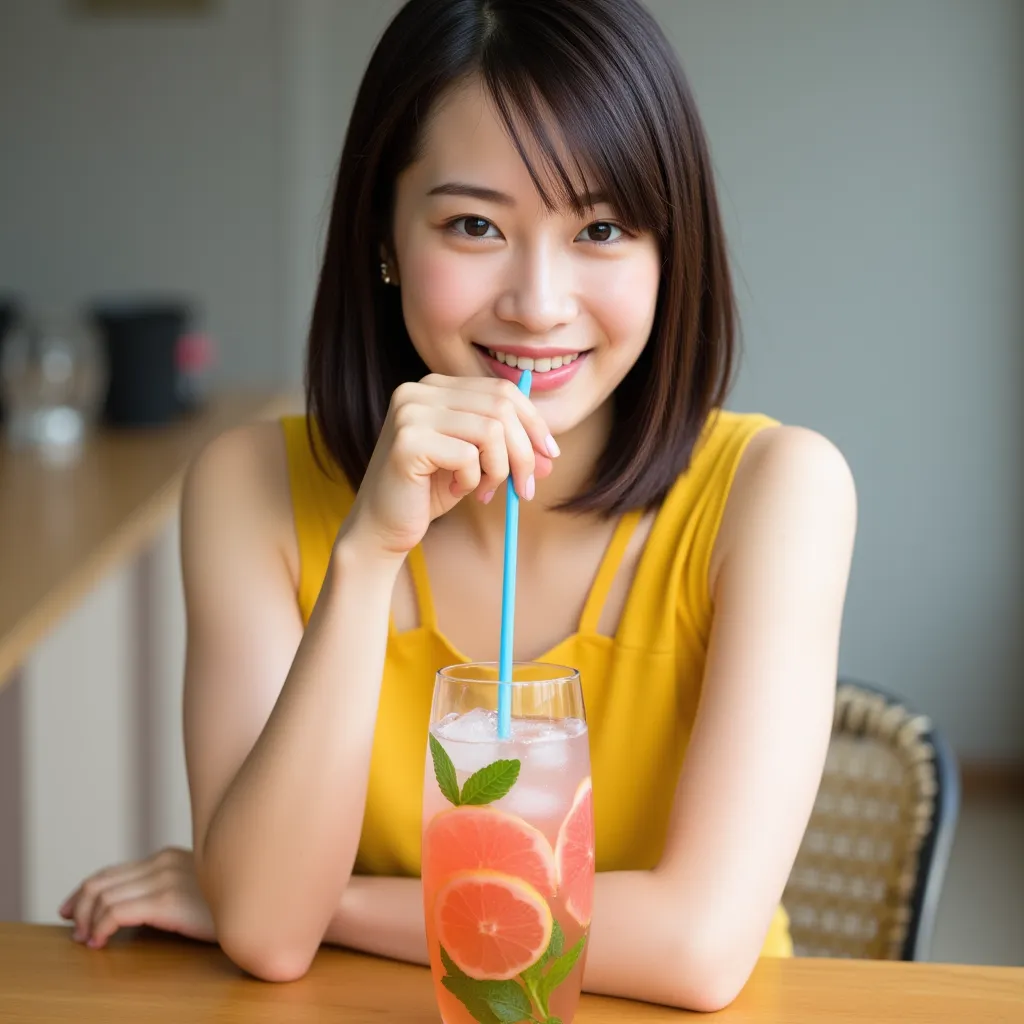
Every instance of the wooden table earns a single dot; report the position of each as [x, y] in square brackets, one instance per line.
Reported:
[62, 528]
[155, 979]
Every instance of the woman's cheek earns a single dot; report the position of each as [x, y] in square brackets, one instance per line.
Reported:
[441, 292]
[623, 299]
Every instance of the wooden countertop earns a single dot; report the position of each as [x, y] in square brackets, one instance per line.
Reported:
[62, 528]
[157, 979]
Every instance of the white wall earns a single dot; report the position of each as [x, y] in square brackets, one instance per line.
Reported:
[327, 46]
[145, 154]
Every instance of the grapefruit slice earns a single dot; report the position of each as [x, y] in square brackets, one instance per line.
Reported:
[475, 838]
[574, 855]
[492, 925]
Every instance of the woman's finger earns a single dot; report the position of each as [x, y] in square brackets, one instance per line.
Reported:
[490, 396]
[68, 905]
[93, 887]
[424, 451]
[124, 907]
[124, 892]
[487, 436]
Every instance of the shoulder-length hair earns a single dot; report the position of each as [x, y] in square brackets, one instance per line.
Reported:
[604, 74]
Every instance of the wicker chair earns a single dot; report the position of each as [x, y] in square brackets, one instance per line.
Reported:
[867, 879]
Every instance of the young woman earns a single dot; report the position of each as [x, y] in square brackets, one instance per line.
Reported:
[523, 183]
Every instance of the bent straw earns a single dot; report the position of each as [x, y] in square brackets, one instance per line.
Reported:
[508, 595]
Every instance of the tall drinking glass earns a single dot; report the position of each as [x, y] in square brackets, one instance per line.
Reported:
[508, 845]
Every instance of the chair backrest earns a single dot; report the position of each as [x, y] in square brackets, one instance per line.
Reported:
[869, 872]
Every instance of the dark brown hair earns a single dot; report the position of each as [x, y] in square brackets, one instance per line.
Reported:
[604, 74]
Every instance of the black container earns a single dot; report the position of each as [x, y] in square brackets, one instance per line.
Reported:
[8, 315]
[141, 342]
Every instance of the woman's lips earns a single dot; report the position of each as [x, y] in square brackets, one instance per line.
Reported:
[549, 380]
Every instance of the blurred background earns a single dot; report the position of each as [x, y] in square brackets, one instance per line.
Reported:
[870, 156]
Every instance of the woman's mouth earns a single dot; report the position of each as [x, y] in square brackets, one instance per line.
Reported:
[549, 371]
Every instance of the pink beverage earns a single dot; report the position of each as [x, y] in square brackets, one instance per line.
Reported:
[508, 846]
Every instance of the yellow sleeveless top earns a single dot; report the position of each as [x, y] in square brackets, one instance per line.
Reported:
[640, 687]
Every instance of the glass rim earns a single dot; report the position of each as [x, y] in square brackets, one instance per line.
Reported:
[559, 673]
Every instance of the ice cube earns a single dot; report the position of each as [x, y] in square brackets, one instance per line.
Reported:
[474, 726]
[530, 730]
[533, 802]
[548, 753]
[471, 740]
[471, 757]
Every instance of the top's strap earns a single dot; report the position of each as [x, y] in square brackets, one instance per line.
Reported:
[608, 570]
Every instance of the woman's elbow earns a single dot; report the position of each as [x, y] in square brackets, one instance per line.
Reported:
[244, 937]
[264, 958]
[705, 995]
[703, 979]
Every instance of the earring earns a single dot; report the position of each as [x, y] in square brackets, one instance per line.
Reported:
[385, 272]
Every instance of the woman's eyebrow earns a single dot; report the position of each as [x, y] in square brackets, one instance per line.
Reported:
[459, 188]
[587, 200]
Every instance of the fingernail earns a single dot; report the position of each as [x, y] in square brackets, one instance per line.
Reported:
[531, 488]
[77, 935]
[94, 943]
[486, 499]
[552, 446]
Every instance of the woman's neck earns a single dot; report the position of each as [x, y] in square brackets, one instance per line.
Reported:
[581, 447]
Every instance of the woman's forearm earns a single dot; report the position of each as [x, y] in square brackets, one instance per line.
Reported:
[644, 945]
[281, 845]
[382, 916]
[641, 945]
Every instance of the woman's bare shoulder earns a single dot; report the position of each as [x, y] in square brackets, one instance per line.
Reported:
[240, 480]
[789, 478]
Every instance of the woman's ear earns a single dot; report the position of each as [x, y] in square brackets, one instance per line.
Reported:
[388, 267]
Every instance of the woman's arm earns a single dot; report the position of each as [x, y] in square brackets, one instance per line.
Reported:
[277, 774]
[689, 932]
[381, 915]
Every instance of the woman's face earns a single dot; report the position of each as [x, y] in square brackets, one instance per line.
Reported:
[491, 280]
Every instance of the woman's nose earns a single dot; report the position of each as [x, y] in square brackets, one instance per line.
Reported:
[540, 294]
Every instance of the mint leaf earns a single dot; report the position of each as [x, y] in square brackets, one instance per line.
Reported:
[506, 1000]
[533, 990]
[464, 990]
[488, 1002]
[444, 772]
[557, 943]
[553, 1020]
[533, 975]
[559, 971]
[554, 950]
[491, 783]
[450, 967]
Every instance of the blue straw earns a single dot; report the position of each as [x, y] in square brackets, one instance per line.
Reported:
[508, 596]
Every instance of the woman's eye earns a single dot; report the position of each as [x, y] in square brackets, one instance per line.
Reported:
[600, 231]
[474, 227]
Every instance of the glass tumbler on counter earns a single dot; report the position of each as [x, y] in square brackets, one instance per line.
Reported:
[508, 845]
[53, 376]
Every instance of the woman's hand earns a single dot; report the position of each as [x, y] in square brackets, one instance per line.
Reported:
[444, 438]
[160, 891]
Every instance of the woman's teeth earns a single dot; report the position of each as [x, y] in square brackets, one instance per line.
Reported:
[535, 365]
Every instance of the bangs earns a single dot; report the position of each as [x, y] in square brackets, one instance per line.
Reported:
[593, 133]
